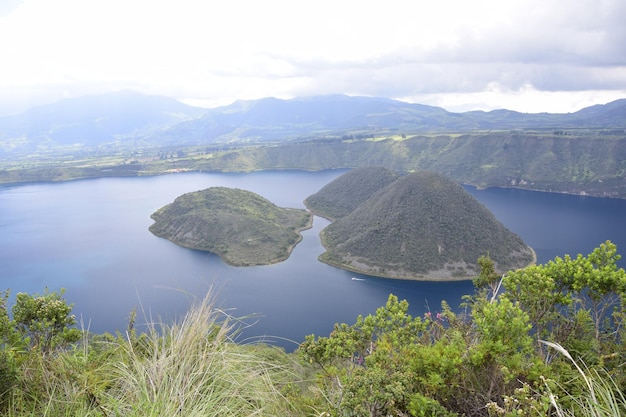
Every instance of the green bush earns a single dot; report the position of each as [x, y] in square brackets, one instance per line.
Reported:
[45, 321]
[8, 378]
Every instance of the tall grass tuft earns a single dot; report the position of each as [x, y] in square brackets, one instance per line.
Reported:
[190, 368]
[193, 368]
[601, 396]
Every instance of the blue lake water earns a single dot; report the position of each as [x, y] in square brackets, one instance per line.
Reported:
[91, 237]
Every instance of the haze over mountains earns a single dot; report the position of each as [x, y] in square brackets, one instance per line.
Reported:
[129, 134]
[128, 119]
[91, 121]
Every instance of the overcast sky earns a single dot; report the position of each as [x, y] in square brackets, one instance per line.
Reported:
[525, 55]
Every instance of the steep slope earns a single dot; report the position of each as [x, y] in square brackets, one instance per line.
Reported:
[240, 226]
[422, 226]
[585, 163]
[344, 194]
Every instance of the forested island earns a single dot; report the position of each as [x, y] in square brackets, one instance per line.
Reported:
[415, 226]
[240, 226]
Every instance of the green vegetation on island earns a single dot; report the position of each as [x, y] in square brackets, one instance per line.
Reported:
[240, 226]
[546, 340]
[418, 226]
[341, 196]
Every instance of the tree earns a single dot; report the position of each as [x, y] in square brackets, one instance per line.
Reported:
[488, 282]
[562, 295]
[45, 320]
[8, 369]
[543, 293]
[481, 361]
[5, 321]
[601, 282]
[440, 365]
[364, 365]
[502, 355]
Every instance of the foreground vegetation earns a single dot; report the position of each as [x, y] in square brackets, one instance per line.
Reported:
[543, 340]
[190, 368]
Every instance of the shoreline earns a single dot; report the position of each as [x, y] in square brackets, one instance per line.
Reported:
[72, 173]
[410, 278]
[413, 278]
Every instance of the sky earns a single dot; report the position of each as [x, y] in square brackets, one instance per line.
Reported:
[525, 55]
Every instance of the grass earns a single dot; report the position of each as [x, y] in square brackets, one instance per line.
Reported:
[196, 367]
[189, 368]
[192, 368]
[601, 395]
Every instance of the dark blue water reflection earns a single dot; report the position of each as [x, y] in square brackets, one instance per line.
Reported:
[91, 237]
[556, 224]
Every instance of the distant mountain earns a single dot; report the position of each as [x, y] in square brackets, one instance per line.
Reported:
[92, 121]
[330, 111]
[420, 226]
[608, 115]
[272, 119]
[128, 120]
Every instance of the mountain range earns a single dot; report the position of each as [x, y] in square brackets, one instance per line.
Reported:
[127, 120]
[91, 121]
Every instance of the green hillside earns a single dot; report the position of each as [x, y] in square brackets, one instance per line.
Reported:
[240, 226]
[341, 196]
[129, 134]
[573, 162]
[421, 226]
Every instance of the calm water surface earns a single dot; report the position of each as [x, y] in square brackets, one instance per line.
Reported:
[91, 237]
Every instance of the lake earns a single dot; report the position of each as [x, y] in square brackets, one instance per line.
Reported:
[91, 237]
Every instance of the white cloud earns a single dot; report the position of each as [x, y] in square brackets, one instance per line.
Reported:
[217, 52]
[8, 6]
[526, 100]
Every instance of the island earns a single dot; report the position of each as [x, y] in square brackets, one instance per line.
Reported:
[240, 226]
[420, 226]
